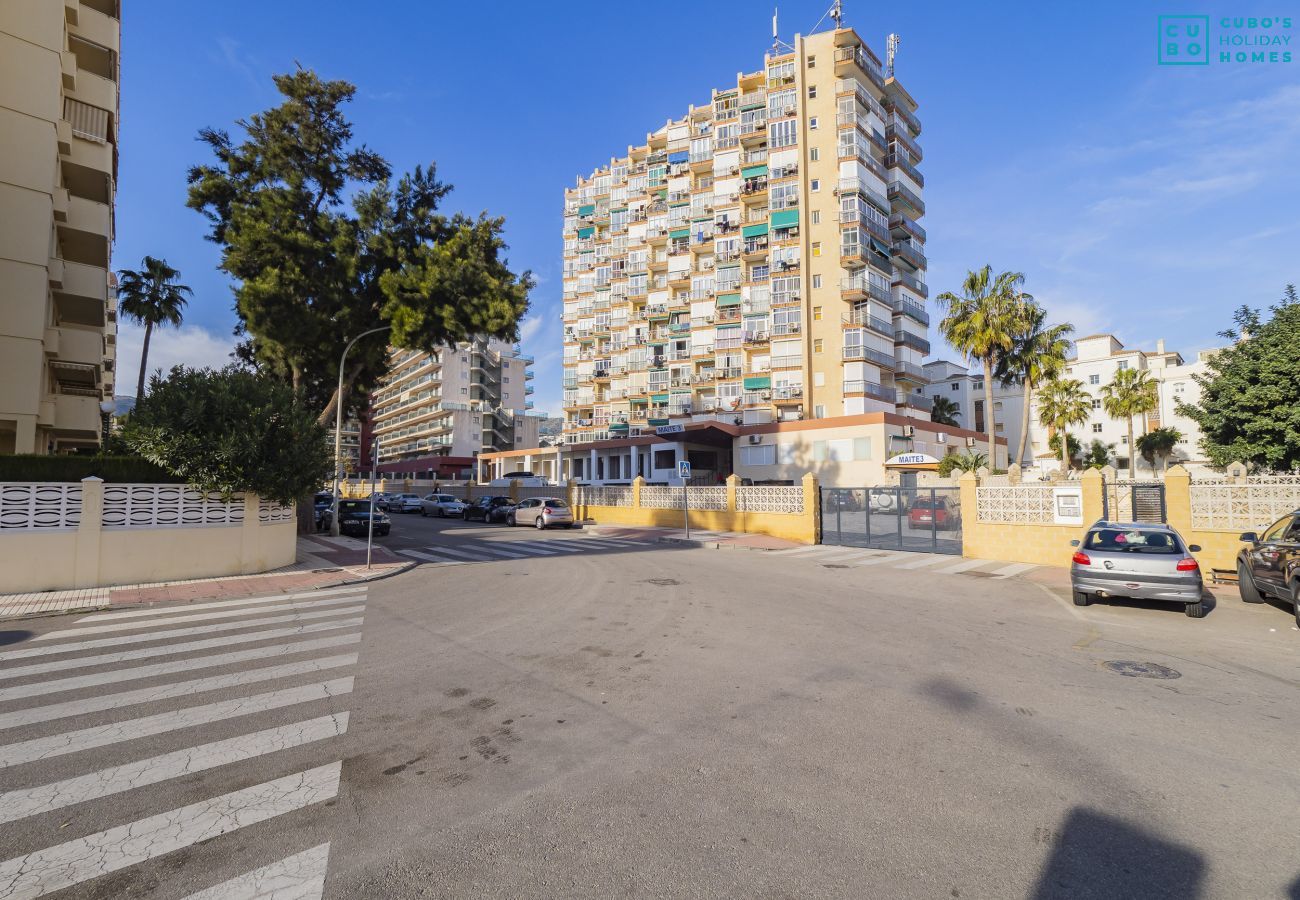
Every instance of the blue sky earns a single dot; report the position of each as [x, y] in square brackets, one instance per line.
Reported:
[1145, 200]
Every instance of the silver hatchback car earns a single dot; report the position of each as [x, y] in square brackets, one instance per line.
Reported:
[541, 512]
[1138, 560]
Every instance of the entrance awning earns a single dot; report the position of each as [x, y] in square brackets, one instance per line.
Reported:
[913, 462]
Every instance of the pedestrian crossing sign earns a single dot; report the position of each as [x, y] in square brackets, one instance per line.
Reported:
[684, 470]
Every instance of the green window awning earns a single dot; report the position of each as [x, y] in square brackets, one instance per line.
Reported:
[750, 231]
[658, 398]
[728, 300]
[679, 233]
[587, 210]
[751, 172]
[586, 232]
[785, 218]
[758, 382]
[656, 422]
[619, 426]
[728, 328]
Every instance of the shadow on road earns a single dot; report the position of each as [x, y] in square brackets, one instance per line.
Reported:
[14, 637]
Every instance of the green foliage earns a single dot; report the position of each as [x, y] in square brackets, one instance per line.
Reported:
[152, 297]
[1131, 392]
[1249, 409]
[970, 461]
[113, 469]
[1159, 443]
[1075, 448]
[1037, 354]
[323, 247]
[944, 411]
[1062, 404]
[230, 431]
[1098, 454]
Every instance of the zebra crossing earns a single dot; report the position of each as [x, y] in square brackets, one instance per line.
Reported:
[938, 563]
[513, 549]
[162, 693]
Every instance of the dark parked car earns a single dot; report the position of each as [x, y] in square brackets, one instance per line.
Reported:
[1138, 560]
[1270, 566]
[489, 509]
[324, 508]
[354, 518]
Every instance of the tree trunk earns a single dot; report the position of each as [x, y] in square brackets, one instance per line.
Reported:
[1065, 452]
[989, 427]
[144, 362]
[1024, 426]
[327, 416]
[1132, 452]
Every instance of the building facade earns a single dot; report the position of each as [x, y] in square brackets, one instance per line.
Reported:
[758, 260]
[58, 172]
[436, 412]
[1097, 358]
[966, 389]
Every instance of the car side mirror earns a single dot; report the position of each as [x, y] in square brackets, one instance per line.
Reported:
[1193, 548]
[1249, 537]
[1074, 543]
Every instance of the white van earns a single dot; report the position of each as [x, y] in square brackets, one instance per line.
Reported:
[523, 479]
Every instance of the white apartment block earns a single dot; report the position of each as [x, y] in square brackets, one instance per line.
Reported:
[954, 382]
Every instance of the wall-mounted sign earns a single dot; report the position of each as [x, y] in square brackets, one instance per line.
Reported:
[669, 429]
[912, 459]
[1067, 505]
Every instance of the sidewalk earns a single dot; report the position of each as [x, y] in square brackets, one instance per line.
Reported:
[323, 561]
[717, 540]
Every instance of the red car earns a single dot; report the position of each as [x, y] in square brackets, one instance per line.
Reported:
[934, 512]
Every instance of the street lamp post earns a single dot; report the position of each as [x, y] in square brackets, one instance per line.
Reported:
[106, 408]
[338, 429]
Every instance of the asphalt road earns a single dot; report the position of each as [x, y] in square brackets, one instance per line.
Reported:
[602, 719]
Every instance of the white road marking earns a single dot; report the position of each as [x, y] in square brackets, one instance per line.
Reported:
[554, 545]
[429, 557]
[84, 662]
[534, 550]
[797, 551]
[224, 604]
[297, 877]
[169, 633]
[194, 663]
[456, 551]
[193, 617]
[498, 550]
[167, 691]
[963, 566]
[63, 865]
[1013, 569]
[925, 560]
[20, 804]
[609, 543]
[161, 723]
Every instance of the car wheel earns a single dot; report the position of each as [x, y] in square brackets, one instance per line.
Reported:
[510, 521]
[539, 523]
[1295, 602]
[424, 513]
[1246, 586]
[1195, 610]
[1081, 599]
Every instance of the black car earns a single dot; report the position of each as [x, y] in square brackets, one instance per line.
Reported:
[1270, 566]
[324, 510]
[489, 509]
[354, 518]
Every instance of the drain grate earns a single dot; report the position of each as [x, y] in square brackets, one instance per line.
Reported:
[1131, 669]
[662, 582]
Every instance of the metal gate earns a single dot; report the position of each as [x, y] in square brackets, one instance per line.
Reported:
[925, 520]
[1134, 501]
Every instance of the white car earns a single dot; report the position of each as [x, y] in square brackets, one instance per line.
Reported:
[441, 505]
[404, 503]
[523, 479]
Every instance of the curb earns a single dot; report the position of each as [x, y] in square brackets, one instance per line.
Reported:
[710, 545]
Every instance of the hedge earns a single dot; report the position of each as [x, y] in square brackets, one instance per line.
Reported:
[113, 469]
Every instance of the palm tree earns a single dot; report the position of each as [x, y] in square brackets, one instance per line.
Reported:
[1159, 442]
[1063, 403]
[1037, 355]
[151, 296]
[1130, 393]
[944, 411]
[980, 324]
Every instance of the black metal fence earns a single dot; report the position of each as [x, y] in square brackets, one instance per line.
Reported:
[1134, 501]
[925, 520]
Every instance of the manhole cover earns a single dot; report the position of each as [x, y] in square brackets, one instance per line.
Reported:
[663, 582]
[1131, 669]
[834, 566]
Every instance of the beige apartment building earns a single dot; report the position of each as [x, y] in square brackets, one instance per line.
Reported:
[436, 412]
[58, 167]
[758, 260]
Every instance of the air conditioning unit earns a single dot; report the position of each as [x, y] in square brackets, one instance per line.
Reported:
[794, 327]
[970, 442]
[909, 431]
[942, 437]
[756, 439]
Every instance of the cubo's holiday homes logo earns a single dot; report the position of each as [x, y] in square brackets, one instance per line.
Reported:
[1200, 40]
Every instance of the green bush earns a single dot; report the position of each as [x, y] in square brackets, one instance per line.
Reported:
[113, 469]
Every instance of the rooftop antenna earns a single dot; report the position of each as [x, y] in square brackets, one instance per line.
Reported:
[891, 52]
[776, 42]
[837, 13]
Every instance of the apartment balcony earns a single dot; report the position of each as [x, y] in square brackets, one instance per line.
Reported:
[914, 400]
[82, 295]
[900, 195]
[863, 189]
[859, 287]
[908, 371]
[896, 130]
[910, 254]
[862, 388]
[785, 329]
[868, 354]
[903, 225]
[898, 161]
[754, 250]
[73, 415]
[75, 345]
[95, 90]
[914, 311]
[899, 108]
[867, 221]
[911, 281]
[86, 235]
[859, 318]
[94, 26]
[908, 339]
[849, 59]
[757, 338]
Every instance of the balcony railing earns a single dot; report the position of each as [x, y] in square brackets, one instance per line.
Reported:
[907, 339]
[897, 161]
[914, 400]
[870, 388]
[903, 223]
[859, 284]
[907, 308]
[862, 318]
[912, 282]
[867, 353]
[900, 191]
[911, 253]
[899, 108]
[910, 370]
[858, 57]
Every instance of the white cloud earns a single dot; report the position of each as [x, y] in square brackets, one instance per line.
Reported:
[188, 345]
[529, 328]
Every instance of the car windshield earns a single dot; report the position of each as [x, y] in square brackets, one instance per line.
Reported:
[555, 504]
[1131, 540]
[355, 506]
[928, 504]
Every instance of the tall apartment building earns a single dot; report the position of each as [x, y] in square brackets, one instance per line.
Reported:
[58, 167]
[757, 260]
[435, 412]
[1097, 358]
[966, 390]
